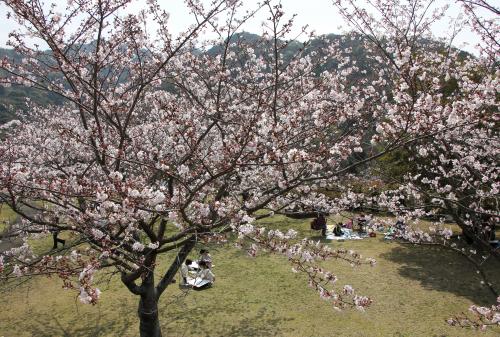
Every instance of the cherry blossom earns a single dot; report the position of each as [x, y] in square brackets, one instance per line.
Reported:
[165, 142]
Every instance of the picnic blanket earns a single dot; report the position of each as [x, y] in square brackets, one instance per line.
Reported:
[348, 235]
[197, 282]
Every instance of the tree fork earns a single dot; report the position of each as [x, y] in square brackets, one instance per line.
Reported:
[148, 304]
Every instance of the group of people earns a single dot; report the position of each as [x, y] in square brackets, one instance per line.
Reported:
[319, 223]
[198, 274]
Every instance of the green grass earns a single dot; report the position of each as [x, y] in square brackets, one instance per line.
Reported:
[414, 289]
[7, 216]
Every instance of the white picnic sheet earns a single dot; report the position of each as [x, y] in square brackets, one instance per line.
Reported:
[197, 282]
[348, 235]
[343, 237]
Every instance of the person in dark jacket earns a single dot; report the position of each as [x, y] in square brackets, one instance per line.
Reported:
[319, 223]
[55, 233]
[337, 231]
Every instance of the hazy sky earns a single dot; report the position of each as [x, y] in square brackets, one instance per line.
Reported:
[321, 16]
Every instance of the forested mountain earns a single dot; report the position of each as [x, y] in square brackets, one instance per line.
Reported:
[14, 98]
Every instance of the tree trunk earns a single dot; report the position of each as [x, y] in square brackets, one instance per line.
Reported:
[149, 325]
[467, 232]
[148, 310]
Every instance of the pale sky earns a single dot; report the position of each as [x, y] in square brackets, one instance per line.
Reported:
[320, 15]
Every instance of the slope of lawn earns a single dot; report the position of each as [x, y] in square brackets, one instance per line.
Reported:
[7, 216]
[414, 289]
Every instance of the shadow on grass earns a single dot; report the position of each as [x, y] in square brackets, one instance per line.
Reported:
[439, 269]
[319, 238]
[264, 323]
[46, 325]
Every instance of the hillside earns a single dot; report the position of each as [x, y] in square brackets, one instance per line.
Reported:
[14, 98]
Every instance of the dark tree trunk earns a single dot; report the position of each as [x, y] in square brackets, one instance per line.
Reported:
[469, 233]
[148, 309]
[149, 325]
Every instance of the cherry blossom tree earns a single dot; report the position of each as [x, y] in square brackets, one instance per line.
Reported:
[453, 174]
[165, 142]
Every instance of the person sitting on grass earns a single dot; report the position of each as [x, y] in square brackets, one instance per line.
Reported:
[185, 272]
[399, 224]
[389, 235]
[319, 223]
[205, 257]
[361, 224]
[205, 278]
[337, 231]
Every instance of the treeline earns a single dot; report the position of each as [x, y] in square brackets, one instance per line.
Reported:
[15, 98]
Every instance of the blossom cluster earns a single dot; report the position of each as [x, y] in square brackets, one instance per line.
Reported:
[479, 318]
[304, 256]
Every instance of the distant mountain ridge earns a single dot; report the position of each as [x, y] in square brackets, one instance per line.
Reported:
[14, 98]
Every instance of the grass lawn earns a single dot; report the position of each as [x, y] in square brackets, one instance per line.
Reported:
[414, 289]
[7, 216]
